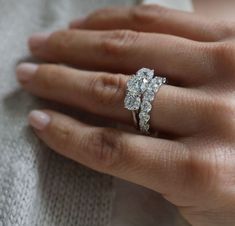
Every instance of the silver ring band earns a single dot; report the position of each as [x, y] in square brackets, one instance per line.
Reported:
[135, 119]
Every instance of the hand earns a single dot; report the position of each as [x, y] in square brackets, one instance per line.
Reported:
[195, 167]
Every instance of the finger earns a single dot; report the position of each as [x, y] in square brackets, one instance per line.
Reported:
[175, 110]
[155, 18]
[154, 163]
[128, 51]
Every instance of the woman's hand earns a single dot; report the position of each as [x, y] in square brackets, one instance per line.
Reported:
[195, 168]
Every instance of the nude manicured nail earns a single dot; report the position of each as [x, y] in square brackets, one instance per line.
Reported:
[26, 71]
[38, 119]
[38, 40]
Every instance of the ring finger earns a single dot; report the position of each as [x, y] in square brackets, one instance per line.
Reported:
[176, 109]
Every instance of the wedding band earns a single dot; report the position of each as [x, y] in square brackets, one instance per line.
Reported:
[146, 104]
[141, 89]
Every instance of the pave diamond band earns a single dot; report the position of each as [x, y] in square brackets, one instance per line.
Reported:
[146, 105]
[141, 90]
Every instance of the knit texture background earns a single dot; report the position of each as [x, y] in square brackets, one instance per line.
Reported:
[38, 187]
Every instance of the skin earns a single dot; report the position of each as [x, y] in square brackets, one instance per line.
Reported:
[194, 165]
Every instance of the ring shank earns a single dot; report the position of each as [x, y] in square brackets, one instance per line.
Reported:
[135, 119]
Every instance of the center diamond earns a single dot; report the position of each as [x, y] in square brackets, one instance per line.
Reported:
[145, 73]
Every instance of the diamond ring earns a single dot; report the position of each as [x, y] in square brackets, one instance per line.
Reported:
[141, 90]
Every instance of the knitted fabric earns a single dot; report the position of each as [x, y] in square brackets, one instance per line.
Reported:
[37, 186]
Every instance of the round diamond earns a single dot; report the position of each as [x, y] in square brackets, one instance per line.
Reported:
[134, 84]
[146, 106]
[158, 80]
[144, 117]
[144, 128]
[149, 95]
[145, 73]
[132, 102]
[154, 84]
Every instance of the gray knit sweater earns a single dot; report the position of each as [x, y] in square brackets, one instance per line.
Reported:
[38, 187]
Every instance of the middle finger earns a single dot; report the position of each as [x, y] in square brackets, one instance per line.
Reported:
[126, 51]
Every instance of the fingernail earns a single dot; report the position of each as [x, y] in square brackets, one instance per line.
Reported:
[38, 119]
[77, 23]
[26, 71]
[38, 40]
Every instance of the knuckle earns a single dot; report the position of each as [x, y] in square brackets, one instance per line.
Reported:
[145, 14]
[222, 111]
[118, 43]
[200, 172]
[107, 148]
[108, 89]
[101, 13]
[224, 28]
[220, 53]
[223, 50]
[215, 113]
[224, 106]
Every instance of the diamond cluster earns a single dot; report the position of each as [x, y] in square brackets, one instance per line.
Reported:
[141, 89]
[136, 87]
